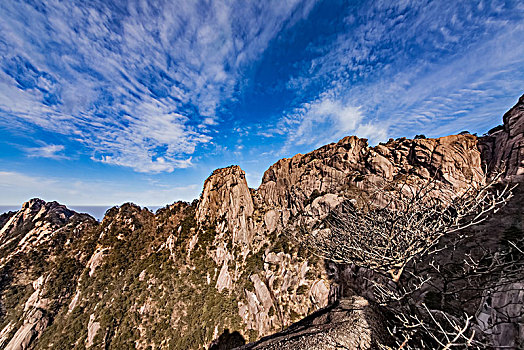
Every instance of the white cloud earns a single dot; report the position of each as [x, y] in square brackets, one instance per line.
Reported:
[47, 151]
[471, 91]
[210, 121]
[411, 67]
[327, 120]
[138, 83]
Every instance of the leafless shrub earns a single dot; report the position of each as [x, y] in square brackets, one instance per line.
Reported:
[437, 330]
[415, 325]
[404, 230]
[401, 222]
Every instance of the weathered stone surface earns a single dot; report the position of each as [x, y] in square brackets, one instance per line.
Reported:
[350, 166]
[501, 315]
[227, 196]
[34, 324]
[504, 146]
[92, 329]
[351, 323]
[38, 228]
[73, 302]
[320, 292]
[96, 260]
[5, 334]
[323, 205]
[34, 224]
[262, 292]
[271, 220]
[224, 279]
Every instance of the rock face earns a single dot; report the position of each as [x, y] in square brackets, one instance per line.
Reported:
[350, 166]
[92, 329]
[34, 324]
[33, 225]
[310, 182]
[501, 315]
[244, 237]
[226, 196]
[39, 231]
[348, 324]
[504, 145]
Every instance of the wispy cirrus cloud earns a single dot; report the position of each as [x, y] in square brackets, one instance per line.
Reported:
[138, 83]
[154, 86]
[410, 67]
[47, 151]
[325, 120]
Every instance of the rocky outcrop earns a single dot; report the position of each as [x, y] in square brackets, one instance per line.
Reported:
[92, 329]
[5, 217]
[350, 166]
[34, 324]
[96, 260]
[33, 224]
[224, 278]
[36, 223]
[504, 145]
[241, 229]
[317, 182]
[35, 318]
[501, 315]
[226, 197]
[31, 240]
[351, 323]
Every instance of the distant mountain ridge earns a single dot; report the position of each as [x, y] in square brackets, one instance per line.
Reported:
[192, 273]
[96, 211]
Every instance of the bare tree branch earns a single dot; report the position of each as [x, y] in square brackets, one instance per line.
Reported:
[407, 225]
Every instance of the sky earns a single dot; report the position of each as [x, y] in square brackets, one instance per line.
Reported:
[104, 102]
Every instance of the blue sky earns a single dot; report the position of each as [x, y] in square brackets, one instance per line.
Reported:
[103, 102]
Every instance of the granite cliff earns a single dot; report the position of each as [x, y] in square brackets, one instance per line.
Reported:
[221, 271]
[504, 144]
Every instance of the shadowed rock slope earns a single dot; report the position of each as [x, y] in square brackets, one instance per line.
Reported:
[351, 323]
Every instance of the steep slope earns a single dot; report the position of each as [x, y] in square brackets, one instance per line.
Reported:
[139, 279]
[504, 144]
[42, 247]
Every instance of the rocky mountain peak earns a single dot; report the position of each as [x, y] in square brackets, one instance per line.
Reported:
[32, 203]
[512, 119]
[227, 197]
[126, 212]
[50, 210]
[36, 235]
[35, 221]
[350, 166]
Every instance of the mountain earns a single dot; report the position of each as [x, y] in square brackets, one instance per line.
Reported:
[222, 271]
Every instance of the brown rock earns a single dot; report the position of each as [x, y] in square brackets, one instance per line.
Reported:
[227, 196]
[224, 279]
[92, 330]
[34, 324]
[351, 166]
[353, 323]
[504, 146]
